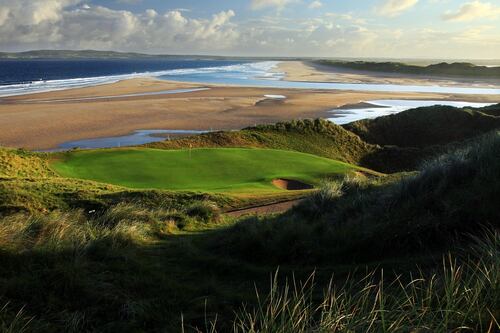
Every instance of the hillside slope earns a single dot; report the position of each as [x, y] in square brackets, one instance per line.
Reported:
[453, 197]
[428, 126]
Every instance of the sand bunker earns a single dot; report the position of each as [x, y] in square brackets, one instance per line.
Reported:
[291, 185]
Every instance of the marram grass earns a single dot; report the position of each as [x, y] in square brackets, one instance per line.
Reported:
[463, 296]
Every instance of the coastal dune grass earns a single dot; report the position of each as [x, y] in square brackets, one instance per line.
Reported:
[418, 253]
[212, 170]
[462, 295]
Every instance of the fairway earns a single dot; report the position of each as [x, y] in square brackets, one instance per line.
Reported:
[213, 170]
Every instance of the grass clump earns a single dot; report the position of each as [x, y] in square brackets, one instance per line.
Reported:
[204, 210]
[22, 163]
[462, 296]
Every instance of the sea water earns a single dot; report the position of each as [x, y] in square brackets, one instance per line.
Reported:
[29, 76]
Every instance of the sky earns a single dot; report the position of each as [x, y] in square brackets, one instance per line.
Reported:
[444, 29]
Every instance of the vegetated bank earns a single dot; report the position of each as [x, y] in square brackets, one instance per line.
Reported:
[441, 69]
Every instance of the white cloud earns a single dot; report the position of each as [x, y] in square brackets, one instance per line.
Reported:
[260, 4]
[315, 5]
[30, 24]
[472, 11]
[395, 7]
[72, 24]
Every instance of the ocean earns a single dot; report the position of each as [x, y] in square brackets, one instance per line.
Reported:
[29, 76]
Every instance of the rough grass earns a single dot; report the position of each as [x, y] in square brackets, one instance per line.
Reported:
[463, 296]
[22, 163]
[210, 170]
[139, 267]
[362, 221]
[114, 270]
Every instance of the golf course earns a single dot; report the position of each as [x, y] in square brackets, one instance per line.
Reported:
[209, 170]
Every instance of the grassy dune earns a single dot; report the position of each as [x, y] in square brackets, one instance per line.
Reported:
[440, 69]
[428, 126]
[214, 170]
[415, 254]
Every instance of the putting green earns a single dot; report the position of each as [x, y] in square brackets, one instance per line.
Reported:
[214, 170]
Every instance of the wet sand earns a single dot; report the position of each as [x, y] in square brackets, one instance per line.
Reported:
[45, 120]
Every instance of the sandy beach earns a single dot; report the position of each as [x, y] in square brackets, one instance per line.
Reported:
[45, 120]
[311, 72]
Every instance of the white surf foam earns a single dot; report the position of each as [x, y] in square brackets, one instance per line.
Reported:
[245, 70]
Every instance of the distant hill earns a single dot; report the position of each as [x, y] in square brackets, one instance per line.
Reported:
[93, 54]
[85, 54]
[443, 68]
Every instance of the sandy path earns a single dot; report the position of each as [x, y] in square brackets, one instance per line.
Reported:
[275, 208]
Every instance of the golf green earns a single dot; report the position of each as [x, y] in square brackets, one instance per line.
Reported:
[214, 170]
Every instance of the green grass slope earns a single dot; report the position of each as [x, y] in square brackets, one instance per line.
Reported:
[424, 127]
[214, 170]
[27, 183]
[318, 137]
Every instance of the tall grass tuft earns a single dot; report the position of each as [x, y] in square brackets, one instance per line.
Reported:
[463, 297]
[13, 322]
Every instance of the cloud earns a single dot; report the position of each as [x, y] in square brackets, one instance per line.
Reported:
[472, 11]
[393, 8]
[80, 24]
[315, 5]
[30, 24]
[260, 4]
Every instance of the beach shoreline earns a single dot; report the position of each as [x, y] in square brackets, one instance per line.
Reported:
[45, 120]
[308, 71]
